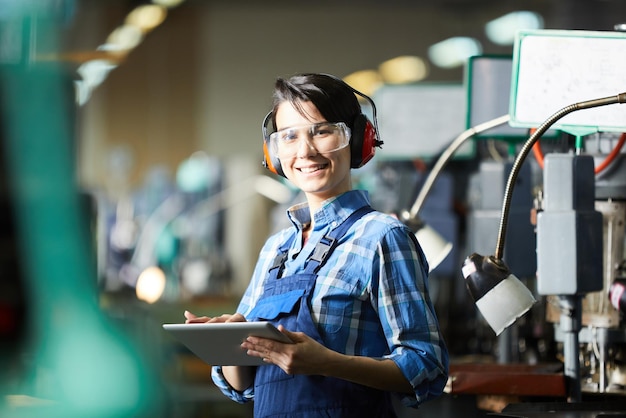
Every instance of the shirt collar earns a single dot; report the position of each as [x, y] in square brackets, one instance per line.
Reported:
[332, 212]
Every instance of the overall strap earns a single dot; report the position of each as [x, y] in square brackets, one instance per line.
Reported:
[328, 242]
[278, 264]
[322, 249]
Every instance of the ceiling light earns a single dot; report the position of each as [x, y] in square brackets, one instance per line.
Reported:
[365, 81]
[502, 31]
[168, 3]
[454, 52]
[403, 69]
[123, 38]
[150, 284]
[146, 17]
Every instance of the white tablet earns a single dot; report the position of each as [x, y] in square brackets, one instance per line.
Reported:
[219, 344]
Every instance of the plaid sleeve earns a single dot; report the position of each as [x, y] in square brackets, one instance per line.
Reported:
[221, 383]
[408, 316]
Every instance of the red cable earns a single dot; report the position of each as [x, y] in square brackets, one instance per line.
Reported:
[538, 153]
[613, 154]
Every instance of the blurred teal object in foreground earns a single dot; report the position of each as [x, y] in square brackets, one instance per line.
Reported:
[78, 363]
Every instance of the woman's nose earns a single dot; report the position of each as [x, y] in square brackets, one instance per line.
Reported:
[306, 147]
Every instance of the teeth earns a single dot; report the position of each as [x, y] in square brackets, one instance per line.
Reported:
[310, 169]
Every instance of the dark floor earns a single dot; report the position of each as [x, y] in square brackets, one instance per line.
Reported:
[446, 406]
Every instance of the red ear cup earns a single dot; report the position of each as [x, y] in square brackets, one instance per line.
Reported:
[363, 142]
[271, 162]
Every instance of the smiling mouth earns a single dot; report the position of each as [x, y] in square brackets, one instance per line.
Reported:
[312, 169]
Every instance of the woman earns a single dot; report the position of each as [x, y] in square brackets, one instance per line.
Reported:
[347, 284]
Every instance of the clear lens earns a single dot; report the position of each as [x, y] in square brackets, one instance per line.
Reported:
[325, 137]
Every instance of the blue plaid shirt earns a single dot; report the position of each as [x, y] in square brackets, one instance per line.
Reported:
[370, 298]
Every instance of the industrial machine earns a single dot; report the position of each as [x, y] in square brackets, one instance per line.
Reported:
[599, 244]
[579, 205]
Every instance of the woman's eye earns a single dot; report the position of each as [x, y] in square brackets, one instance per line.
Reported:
[322, 131]
[289, 136]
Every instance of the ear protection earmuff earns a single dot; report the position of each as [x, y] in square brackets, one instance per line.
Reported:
[270, 161]
[363, 140]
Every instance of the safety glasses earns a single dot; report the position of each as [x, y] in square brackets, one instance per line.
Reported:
[325, 137]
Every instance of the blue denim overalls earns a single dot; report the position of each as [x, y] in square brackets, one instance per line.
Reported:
[285, 301]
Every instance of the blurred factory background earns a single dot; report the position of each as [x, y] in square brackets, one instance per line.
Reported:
[132, 189]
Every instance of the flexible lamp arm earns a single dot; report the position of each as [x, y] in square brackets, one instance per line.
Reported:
[445, 157]
[526, 148]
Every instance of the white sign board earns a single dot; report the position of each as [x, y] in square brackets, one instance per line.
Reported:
[554, 69]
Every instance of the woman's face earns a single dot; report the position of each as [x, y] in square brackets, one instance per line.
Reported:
[319, 175]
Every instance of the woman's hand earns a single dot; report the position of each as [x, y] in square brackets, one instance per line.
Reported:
[304, 356]
[239, 377]
[307, 356]
[191, 318]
